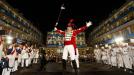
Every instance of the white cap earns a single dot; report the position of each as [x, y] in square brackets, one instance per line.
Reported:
[109, 47]
[96, 46]
[132, 40]
[102, 47]
[113, 44]
[106, 45]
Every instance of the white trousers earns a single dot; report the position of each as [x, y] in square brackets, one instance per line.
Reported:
[15, 68]
[104, 59]
[113, 61]
[133, 60]
[77, 58]
[25, 62]
[19, 58]
[6, 71]
[35, 60]
[29, 61]
[77, 62]
[127, 61]
[98, 58]
[120, 61]
[108, 60]
[68, 49]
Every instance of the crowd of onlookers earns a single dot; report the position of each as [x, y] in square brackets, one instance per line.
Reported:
[82, 58]
[17, 55]
[116, 55]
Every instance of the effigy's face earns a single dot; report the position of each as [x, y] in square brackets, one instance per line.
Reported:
[69, 28]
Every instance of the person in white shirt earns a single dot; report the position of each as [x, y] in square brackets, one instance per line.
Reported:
[31, 55]
[36, 55]
[104, 55]
[107, 54]
[119, 56]
[97, 53]
[113, 56]
[11, 60]
[24, 56]
[1, 49]
[126, 58]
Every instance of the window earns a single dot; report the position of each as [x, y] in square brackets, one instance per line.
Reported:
[14, 15]
[132, 28]
[4, 17]
[12, 22]
[2, 10]
[131, 16]
[122, 21]
[125, 33]
[117, 23]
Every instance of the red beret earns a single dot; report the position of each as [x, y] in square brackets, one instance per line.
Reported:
[71, 23]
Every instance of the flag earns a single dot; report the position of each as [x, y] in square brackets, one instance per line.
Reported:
[62, 7]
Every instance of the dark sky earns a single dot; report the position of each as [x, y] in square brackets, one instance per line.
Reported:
[44, 13]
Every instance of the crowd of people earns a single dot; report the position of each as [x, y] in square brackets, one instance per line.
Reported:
[17, 56]
[116, 55]
[89, 58]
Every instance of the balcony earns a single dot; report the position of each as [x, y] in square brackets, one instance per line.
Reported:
[15, 18]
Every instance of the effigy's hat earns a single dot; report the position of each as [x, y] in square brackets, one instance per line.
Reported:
[71, 23]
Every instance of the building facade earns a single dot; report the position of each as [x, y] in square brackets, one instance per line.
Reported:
[13, 23]
[119, 24]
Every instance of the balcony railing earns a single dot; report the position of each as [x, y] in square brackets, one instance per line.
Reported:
[16, 19]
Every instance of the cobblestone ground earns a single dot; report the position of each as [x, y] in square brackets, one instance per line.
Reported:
[85, 69]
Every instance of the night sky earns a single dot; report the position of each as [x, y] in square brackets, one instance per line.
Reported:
[44, 13]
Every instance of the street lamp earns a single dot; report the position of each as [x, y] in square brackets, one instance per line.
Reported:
[9, 39]
[119, 39]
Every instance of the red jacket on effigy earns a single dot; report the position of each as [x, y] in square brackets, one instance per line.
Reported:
[70, 38]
